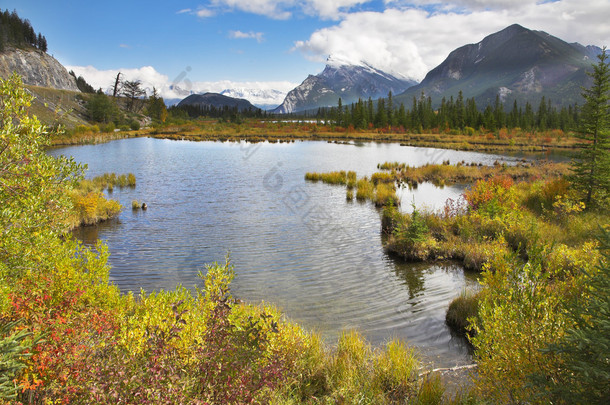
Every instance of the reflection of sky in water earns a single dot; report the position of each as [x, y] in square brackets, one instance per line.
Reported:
[428, 197]
[296, 244]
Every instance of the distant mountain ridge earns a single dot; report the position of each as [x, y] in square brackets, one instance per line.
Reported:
[218, 101]
[339, 80]
[516, 64]
[265, 99]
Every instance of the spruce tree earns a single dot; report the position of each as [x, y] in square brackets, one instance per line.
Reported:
[592, 169]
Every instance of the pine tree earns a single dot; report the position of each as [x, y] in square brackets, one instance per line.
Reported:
[592, 170]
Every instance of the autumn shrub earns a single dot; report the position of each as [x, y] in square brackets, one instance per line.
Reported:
[519, 315]
[92, 207]
[491, 196]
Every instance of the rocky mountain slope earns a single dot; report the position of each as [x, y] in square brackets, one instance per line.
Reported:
[340, 80]
[516, 64]
[216, 100]
[37, 68]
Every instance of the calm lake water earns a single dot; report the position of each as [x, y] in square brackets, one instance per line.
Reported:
[296, 244]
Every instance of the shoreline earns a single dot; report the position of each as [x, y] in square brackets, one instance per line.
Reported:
[533, 143]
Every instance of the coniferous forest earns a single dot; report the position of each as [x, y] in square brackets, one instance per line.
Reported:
[18, 32]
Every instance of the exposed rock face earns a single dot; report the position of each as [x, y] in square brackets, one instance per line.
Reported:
[36, 68]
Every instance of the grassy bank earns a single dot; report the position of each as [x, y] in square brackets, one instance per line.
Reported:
[258, 131]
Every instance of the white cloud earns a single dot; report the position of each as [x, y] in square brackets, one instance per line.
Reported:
[177, 87]
[284, 9]
[204, 13]
[246, 35]
[201, 12]
[277, 9]
[464, 4]
[411, 41]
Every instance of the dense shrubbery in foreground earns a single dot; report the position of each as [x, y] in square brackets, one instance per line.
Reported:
[68, 336]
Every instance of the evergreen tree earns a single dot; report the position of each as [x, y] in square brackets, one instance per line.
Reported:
[592, 170]
[156, 107]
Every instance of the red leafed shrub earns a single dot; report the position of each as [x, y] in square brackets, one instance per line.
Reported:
[490, 196]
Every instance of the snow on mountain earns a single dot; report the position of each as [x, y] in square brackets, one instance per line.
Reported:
[341, 79]
[262, 98]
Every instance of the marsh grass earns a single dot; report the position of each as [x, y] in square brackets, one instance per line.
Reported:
[442, 174]
[365, 190]
[461, 309]
[341, 177]
[90, 206]
[385, 194]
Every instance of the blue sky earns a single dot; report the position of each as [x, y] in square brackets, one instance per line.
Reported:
[262, 44]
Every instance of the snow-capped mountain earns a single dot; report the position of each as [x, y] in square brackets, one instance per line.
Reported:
[342, 80]
[262, 98]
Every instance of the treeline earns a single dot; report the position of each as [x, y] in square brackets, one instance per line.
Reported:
[224, 113]
[17, 32]
[453, 114]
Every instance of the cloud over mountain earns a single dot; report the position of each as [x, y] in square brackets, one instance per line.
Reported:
[180, 87]
[411, 40]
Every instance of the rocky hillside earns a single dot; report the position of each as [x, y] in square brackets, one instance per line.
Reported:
[340, 80]
[516, 64]
[37, 68]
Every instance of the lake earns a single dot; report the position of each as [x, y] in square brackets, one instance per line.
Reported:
[296, 244]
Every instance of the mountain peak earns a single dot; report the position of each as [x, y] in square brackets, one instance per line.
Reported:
[341, 79]
[515, 61]
[338, 61]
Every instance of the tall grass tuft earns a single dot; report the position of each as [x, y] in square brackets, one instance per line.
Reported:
[364, 190]
[131, 180]
[461, 309]
[395, 371]
[385, 194]
[431, 391]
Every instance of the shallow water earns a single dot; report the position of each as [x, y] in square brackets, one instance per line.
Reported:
[296, 244]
